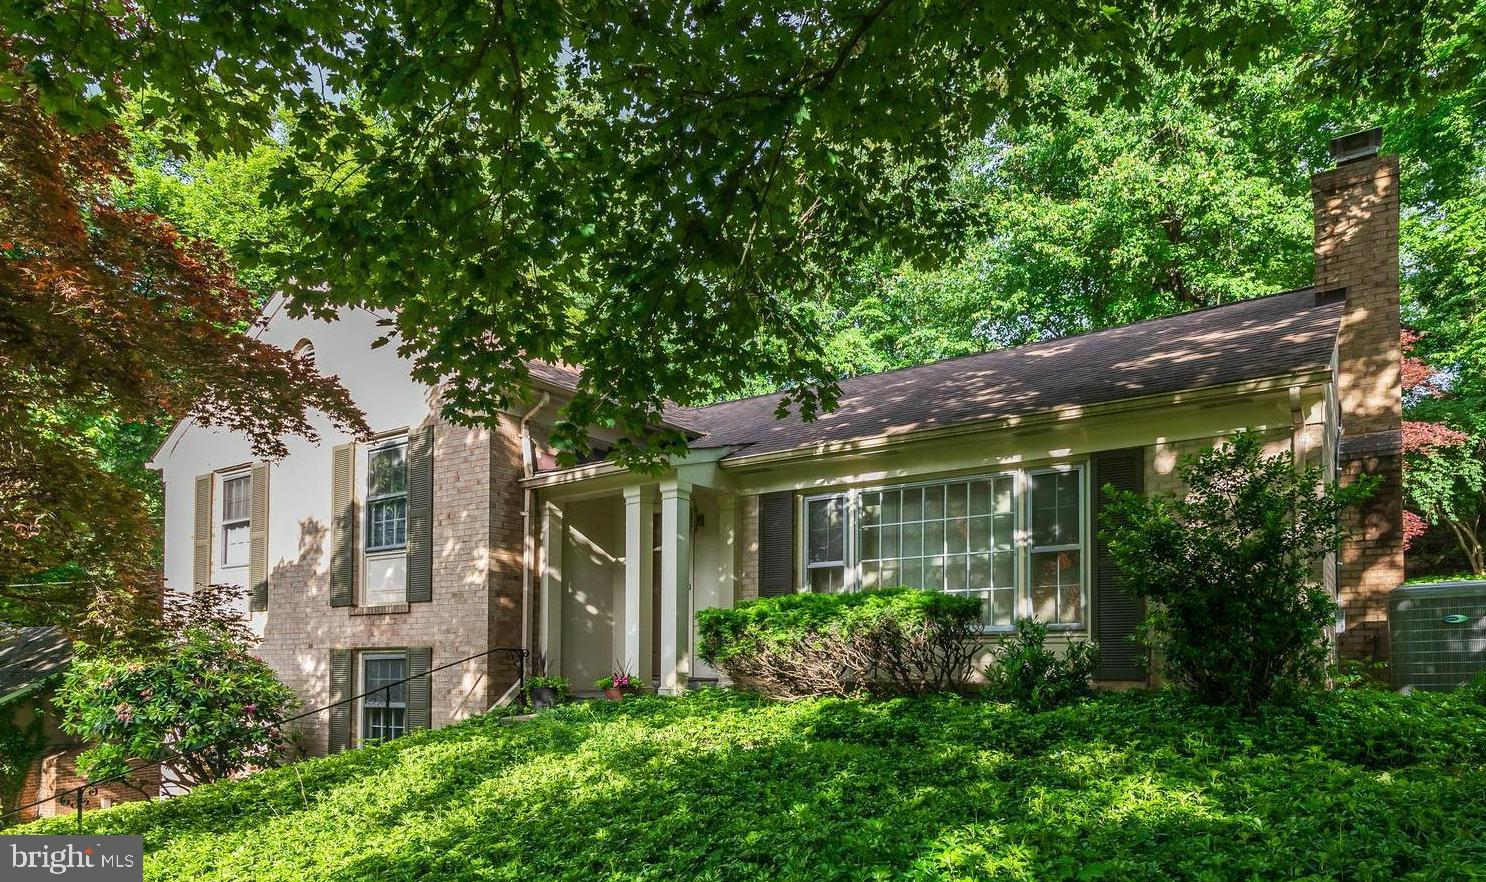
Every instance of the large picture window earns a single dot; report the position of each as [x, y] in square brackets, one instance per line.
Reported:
[967, 536]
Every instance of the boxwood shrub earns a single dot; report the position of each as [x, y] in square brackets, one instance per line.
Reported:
[891, 641]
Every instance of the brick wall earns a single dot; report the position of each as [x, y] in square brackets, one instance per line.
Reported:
[747, 548]
[476, 588]
[56, 773]
[506, 548]
[1356, 211]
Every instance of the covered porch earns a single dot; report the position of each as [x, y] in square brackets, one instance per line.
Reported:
[622, 563]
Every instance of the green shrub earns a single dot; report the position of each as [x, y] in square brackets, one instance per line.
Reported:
[193, 696]
[1236, 615]
[892, 641]
[1025, 671]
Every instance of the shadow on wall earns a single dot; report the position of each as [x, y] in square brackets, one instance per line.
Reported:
[295, 586]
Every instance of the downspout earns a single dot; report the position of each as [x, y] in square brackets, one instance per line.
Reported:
[528, 543]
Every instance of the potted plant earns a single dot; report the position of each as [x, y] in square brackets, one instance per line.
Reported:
[544, 691]
[616, 684]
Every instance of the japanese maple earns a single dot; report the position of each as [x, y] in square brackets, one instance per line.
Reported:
[111, 312]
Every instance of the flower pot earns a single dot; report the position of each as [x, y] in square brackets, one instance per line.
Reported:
[614, 694]
[543, 696]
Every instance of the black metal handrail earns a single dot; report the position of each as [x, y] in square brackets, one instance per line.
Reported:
[75, 796]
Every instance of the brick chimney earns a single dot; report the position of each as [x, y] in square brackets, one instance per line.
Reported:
[1356, 212]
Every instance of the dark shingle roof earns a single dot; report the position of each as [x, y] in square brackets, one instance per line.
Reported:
[29, 657]
[1269, 336]
[565, 378]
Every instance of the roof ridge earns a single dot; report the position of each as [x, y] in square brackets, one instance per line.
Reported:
[1026, 346]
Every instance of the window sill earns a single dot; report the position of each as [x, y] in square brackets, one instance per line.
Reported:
[384, 609]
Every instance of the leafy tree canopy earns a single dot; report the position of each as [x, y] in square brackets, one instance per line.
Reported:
[658, 193]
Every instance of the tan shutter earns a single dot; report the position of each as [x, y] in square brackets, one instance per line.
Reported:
[420, 516]
[420, 688]
[340, 691]
[201, 571]
[258, 540]
[343, 525]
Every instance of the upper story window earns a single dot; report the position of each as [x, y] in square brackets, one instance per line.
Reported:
[387, 496]
[237, 501]
[306, 352]
[966, 536]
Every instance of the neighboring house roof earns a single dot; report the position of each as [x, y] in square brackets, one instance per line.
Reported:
[1279, 335]
[29, 659]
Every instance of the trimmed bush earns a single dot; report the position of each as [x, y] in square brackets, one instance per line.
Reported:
[896, 641]
[1025, 671]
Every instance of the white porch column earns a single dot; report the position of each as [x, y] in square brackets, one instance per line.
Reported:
[550, 623]
[675, 586]
[639, 546]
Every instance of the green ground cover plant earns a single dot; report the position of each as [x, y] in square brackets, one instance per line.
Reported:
[1356, 785]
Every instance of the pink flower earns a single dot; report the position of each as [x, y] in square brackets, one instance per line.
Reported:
[124, 712]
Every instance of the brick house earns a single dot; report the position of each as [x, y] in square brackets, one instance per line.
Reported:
[371, 560]
[32, 662]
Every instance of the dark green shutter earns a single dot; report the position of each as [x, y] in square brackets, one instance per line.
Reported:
[776, 543]
[420, 689]
[340, 690]
[420, 516]
[1117, 614]
[343, 525]
[258, 539]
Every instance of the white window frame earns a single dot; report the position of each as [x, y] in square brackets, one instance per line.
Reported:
[1082, 546]
[1022, 535]
[223, 524]
[361, 706]
[368, 498]
[848, 540]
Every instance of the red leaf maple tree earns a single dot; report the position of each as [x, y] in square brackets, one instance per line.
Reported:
[110, 311]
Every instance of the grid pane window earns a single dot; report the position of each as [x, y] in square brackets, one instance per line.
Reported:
[384, 710]
[387, 497]
[1056, 553]
[236, 520]
[825, 543]
[958, 536]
